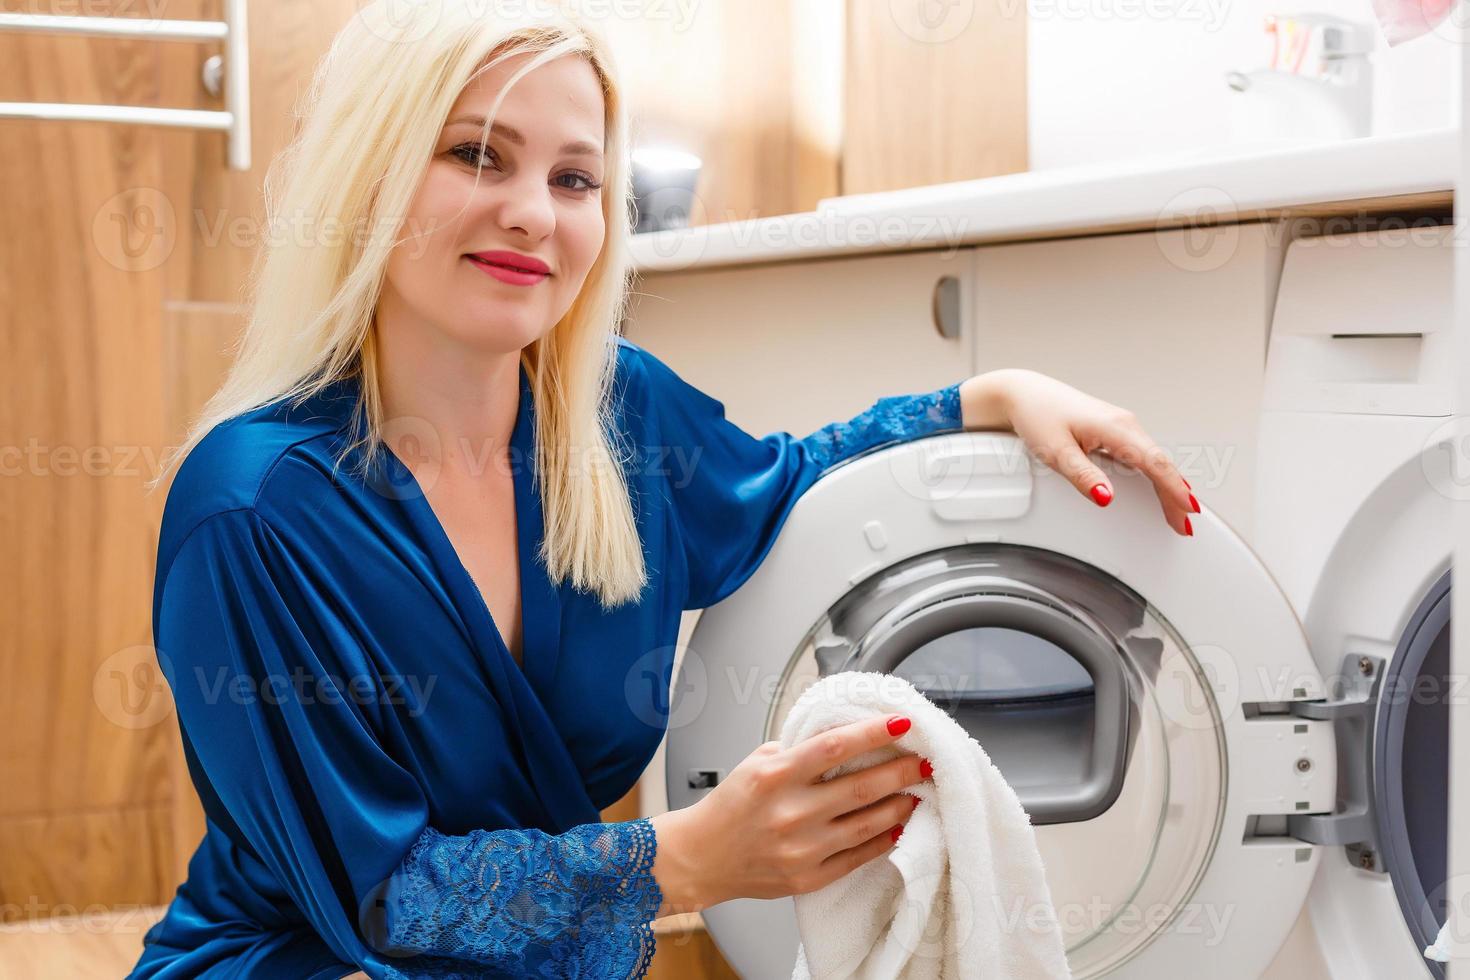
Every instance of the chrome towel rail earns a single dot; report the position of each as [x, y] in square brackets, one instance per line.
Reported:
[234, 120]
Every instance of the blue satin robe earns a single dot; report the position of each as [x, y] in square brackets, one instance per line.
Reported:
[385, 788]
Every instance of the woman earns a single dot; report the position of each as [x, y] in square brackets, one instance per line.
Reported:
[438, 526]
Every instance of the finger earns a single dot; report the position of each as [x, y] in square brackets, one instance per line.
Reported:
[1169, 493]
[853, 791]
[813, 757]
[847, 861]
[1134, 447]
[1073, 462]
[861, 825]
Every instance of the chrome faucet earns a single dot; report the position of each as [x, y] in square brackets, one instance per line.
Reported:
[1319, 84]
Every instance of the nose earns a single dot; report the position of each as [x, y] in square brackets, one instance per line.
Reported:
[524, 204]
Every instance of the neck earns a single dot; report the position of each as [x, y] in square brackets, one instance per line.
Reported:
[444, 405]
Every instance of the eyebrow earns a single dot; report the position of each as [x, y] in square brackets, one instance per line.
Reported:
[583, 147]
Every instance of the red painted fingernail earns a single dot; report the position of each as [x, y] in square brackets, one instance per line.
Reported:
[925, 769]
[897, 832]
[916, 802]
[898, 724]
[1101, 494]
[1194, 503]
[1188, 529]
[1186, 484]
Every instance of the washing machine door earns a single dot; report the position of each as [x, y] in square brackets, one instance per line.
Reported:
[1378, 622]
[1382, 894]
[1143, 692]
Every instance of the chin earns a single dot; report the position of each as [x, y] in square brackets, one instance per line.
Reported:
[491, 332]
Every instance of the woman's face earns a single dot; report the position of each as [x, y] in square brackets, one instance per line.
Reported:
[537, 198]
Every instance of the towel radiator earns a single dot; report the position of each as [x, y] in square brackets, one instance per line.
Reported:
[234, 119]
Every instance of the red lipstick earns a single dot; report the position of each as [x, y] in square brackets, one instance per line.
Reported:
[511, 267]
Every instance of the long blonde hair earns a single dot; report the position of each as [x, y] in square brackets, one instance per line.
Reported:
[373, 113]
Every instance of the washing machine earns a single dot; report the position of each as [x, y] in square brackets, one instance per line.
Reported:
[1355, 483]
[1201, 769]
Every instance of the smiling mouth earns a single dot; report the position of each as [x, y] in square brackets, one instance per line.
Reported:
[504, 265]
[510, 275]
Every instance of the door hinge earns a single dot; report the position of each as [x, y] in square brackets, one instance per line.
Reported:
[1353, 825]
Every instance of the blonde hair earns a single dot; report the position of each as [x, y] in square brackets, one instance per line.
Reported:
[375, 108]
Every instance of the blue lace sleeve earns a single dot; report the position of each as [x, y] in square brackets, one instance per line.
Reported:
[896, 418]
[526, 903]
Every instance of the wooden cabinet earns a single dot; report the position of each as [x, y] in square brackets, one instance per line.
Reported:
[789, 102]
[932, 92]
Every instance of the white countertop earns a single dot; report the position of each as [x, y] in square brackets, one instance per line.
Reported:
[1217, 182]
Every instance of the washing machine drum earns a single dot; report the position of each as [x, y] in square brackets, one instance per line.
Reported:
[1053, 666]
[1119, 675]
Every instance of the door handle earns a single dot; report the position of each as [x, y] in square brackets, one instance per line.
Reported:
[946, 307]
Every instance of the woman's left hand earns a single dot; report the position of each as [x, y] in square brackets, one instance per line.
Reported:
[1061, 425]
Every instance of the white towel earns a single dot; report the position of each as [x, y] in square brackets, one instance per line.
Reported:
[1444, 948]
[963, 893]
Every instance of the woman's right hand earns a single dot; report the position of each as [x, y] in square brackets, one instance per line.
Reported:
[772, 828]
